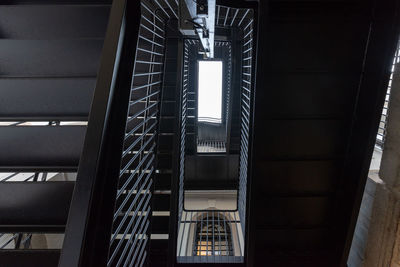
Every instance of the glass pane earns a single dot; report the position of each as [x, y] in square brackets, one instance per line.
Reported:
[210, 91]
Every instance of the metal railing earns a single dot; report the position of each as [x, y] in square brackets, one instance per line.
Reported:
[183, 120]
[380, 138]
[109, 220]
[191, 248]
[231, 17]
[210, 146]
[246, 23]
[131, 218]
[210, 236]
[192, 46]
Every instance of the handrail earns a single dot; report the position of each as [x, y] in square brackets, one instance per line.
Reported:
[88, 229]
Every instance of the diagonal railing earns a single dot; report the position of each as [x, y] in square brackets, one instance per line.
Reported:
[109, 219]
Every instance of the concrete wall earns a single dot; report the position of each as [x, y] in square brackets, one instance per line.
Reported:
[383, 246]
[359, 243]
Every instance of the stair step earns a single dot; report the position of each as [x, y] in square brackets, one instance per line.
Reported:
[168, 108]
[24, 148]
[162, 181]
[161, 202]
[167, 124]
[34, 206]
[158, 252]
[50, 58]
[72, 2]
[49, 21]
[70, 98]
[29, 257]
[164, 161]
[160, 225]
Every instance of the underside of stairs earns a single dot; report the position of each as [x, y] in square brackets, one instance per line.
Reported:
[50, 55]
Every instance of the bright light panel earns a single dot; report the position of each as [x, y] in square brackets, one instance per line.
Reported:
[210, 91]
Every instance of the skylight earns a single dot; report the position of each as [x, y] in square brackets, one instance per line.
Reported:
[210, 91]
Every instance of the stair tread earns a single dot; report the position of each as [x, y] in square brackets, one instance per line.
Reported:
[70, 98]
[40, 206]
[41, 147]
[56, 2]
[29, 257]
[48, 21]
[50, 58]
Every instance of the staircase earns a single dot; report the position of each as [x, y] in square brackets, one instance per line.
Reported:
[50, 60]
[305, 130]
[48, 69]
[166, 154]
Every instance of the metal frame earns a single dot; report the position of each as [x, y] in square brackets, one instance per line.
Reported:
[220, 247]
[246, 89]
[176, 206]
[192, 221]
[89, 223]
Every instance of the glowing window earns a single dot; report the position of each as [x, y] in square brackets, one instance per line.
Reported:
[213, 237]
[210, 91]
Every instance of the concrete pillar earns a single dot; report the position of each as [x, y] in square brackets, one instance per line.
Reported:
[383, 246]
